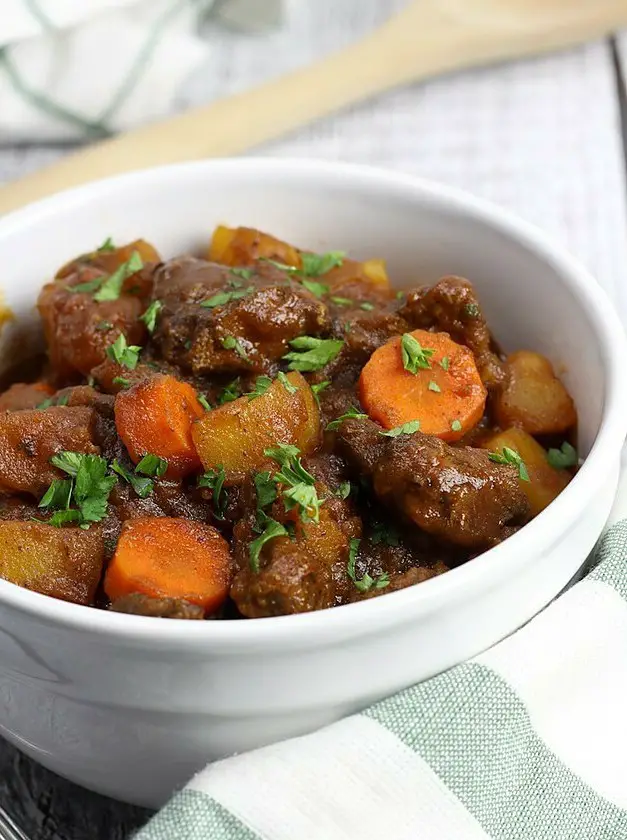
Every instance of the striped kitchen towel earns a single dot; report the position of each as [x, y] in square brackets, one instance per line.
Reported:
[83, 69]
[527, 741]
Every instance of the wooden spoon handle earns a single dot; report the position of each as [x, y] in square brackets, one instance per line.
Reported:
[428, 37]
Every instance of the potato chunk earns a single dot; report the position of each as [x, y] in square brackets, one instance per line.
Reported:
[534, 398]
[243, 246]
[235, 435]
[64, 563]
[545, 482]
[28, 439]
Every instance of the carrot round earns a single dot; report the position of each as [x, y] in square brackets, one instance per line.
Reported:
[164, 557]
[447, 397]
[155, 416]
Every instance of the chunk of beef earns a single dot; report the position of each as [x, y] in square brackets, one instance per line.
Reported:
[28, 439]
[365, 332]
[78, 329]
[24, 395]
[454, 493]
[255, 317]
[138, 604]
[452, 306]
[296, 575]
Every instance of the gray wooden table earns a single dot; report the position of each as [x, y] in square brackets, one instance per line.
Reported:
[542, 137]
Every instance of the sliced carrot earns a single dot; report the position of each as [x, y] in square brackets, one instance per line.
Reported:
[156, 416]
[163, 557]
[447, 397]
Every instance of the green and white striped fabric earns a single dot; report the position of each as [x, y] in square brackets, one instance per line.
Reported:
[526, 742]
[83, 69]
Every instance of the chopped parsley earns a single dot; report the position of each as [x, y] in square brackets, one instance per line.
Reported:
[104, 325]
[344, 490]
[285, 382]
[342, 301]
[214, 481]
[311, 353]
[126, 355]
[318, 388]
[106, 247]
[87, 488]
[152, 465]
[62, 400]
[510, 456]
[352, 413]
[150, 315]
[262, 383]
[317, 289]
[367, 582]
[242, 273]
[231, 392]
[472, 310]
[111, 286]
[415, 357]
[142, 486]
[301, 492]
[367, 306]
[222, 298]
[456, 426]
[229, 342]
[315, 265]
[433, 386]
[444, 362]
[120, 380]
[272, 530]
[400, 295]
[409, 428]
[202, 399]
[266, 489]
[564, 457]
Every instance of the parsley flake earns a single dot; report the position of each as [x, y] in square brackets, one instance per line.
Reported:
[229, 342]
[344, 490]
[89, 489]
[367, 306]
[510, 456]
[472, 310]
[266, 489]
[124, 354]
[150, 315]
[316, 289]
[444, 362]
[415, 357]
[106, 247]
[214, 481]
[285, 382]
[318, 387]
[433, 386]
[367, 582]
[409, 428]
[262, 383]
[152, 465]
[564, 457]
[315, 265]
[352, 413]
[272, 530]
[311, 353]
[342, 301]
[143, 487]
[104, 325]
[111, 286]
[202, 399]
[456, 426]
[242, 273]
[120, 380]
[300, 491]
[231, 392]
[222, 298]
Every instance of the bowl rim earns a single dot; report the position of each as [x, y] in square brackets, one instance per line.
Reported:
[401, 606]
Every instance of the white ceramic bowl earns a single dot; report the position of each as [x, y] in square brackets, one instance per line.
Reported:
[132, 706]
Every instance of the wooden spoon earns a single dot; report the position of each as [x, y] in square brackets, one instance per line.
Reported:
[426, 38]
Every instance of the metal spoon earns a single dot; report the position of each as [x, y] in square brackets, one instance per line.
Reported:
[9, 830]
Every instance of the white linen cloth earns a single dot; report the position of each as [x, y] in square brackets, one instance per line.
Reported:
[82, 69]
